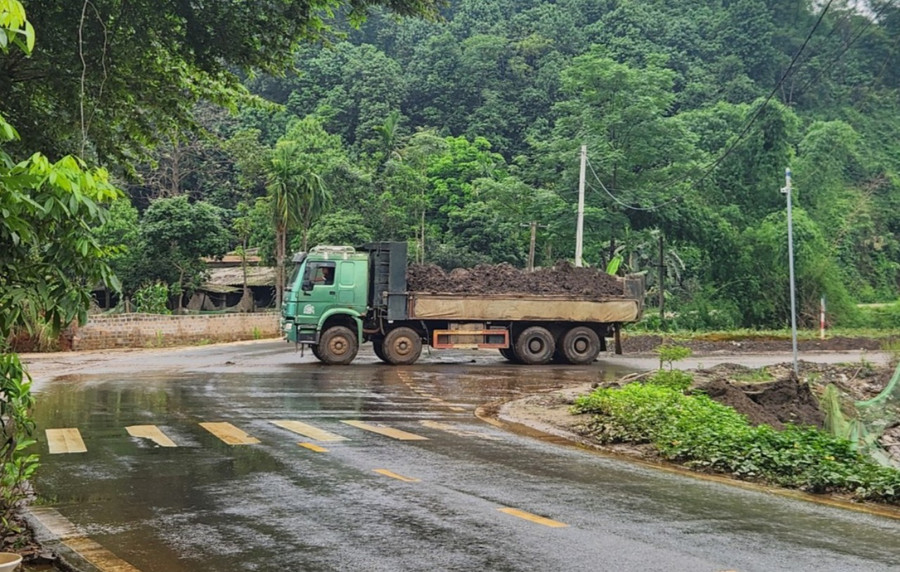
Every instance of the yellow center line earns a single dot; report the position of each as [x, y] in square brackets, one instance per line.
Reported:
[393, 475]
[308, 431]
[65, 441]
[312, 447]
[457, 409]
[229, 434]
[151, 432]
[386, 431]
[532, 517]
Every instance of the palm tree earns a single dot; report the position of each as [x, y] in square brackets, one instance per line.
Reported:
[282, 187]
[299, 196]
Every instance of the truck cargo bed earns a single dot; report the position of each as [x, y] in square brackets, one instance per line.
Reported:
[507, 307]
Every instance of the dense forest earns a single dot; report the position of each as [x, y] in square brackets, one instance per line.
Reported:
[458, 130]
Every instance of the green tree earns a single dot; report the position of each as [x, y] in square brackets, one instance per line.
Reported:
[177, 235]
[102, 60]
[49, 263]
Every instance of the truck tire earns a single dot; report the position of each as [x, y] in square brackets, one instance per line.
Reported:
[510, 355]
[580, 345]
[378, 348]
[402, 346]
[338, 346]
[535, 346]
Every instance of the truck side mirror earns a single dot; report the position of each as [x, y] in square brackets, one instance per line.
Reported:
[306, 285]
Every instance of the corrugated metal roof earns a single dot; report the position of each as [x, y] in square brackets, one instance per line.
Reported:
[256, 276]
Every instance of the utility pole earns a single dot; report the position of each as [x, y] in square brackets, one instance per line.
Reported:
[579, 227]
[662, 280]
[531, 250]
[787, 191]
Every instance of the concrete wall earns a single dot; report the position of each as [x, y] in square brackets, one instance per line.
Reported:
[152, 330]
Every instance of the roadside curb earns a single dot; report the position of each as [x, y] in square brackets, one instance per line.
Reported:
[506, 416]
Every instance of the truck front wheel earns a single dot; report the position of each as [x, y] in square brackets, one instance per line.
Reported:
[402, 346]
[580, 345]
[338, 346]
[535, 346]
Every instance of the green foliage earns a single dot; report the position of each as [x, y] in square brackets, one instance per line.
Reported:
[16, 429]
[177, 234]
[178, 53]
[152, 299]
[672, 379]
[703, 434]
[669, 353]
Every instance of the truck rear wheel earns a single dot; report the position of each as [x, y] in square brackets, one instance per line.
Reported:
[378, 348]
[338, 346]
[402, 346]
[535, 346]
[580, 345]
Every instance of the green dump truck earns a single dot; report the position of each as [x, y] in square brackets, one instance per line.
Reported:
[339, 297]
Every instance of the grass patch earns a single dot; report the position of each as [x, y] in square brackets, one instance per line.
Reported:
[702, 434]
[760, 375]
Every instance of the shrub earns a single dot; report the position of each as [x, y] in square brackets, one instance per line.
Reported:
[152, 299]
[704, 434]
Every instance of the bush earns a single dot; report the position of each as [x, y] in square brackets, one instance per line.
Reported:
[152, 299]
[704, 434]
[672, 379]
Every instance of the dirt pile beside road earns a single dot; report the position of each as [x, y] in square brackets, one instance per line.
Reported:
[721, 344]
[775, 403]
[486, 279]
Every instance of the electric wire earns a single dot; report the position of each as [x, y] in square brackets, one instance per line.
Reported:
[708, 169]
[825, 70]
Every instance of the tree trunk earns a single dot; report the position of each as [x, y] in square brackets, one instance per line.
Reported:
[279, 265]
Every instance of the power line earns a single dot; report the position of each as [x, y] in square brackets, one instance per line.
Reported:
[862, 29]
[711, 166]
[624, 204]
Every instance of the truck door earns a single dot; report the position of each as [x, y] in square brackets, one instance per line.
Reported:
[319, 290]
[346, 286]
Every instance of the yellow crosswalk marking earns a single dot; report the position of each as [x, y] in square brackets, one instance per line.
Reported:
[393, 475]
[60, 527]
[151, 432]
[229, 433]
[386, 431]
[533, 517]
[312, 447]
[454, 430]
[65, 441]
[101, 558]
[309, 431]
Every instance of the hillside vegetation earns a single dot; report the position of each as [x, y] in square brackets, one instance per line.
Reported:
[456, 133]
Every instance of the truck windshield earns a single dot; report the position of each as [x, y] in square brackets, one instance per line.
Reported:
[293, 278]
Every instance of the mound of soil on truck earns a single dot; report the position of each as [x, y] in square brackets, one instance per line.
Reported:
[561, 279]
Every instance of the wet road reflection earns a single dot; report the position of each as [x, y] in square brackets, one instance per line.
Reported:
[207, 505]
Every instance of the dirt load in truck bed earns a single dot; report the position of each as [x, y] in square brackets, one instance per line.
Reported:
[563, 278]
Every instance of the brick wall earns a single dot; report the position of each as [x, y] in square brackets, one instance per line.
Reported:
[152, 330]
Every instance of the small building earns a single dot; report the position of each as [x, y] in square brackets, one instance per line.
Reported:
[223, 290]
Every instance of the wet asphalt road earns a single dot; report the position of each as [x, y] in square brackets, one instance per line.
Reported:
[209, 506]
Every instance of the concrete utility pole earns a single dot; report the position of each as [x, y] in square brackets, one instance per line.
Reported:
[662, 280]
[579, 228]
[787, 191]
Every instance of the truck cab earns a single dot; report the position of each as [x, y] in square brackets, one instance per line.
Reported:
[327, 292]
